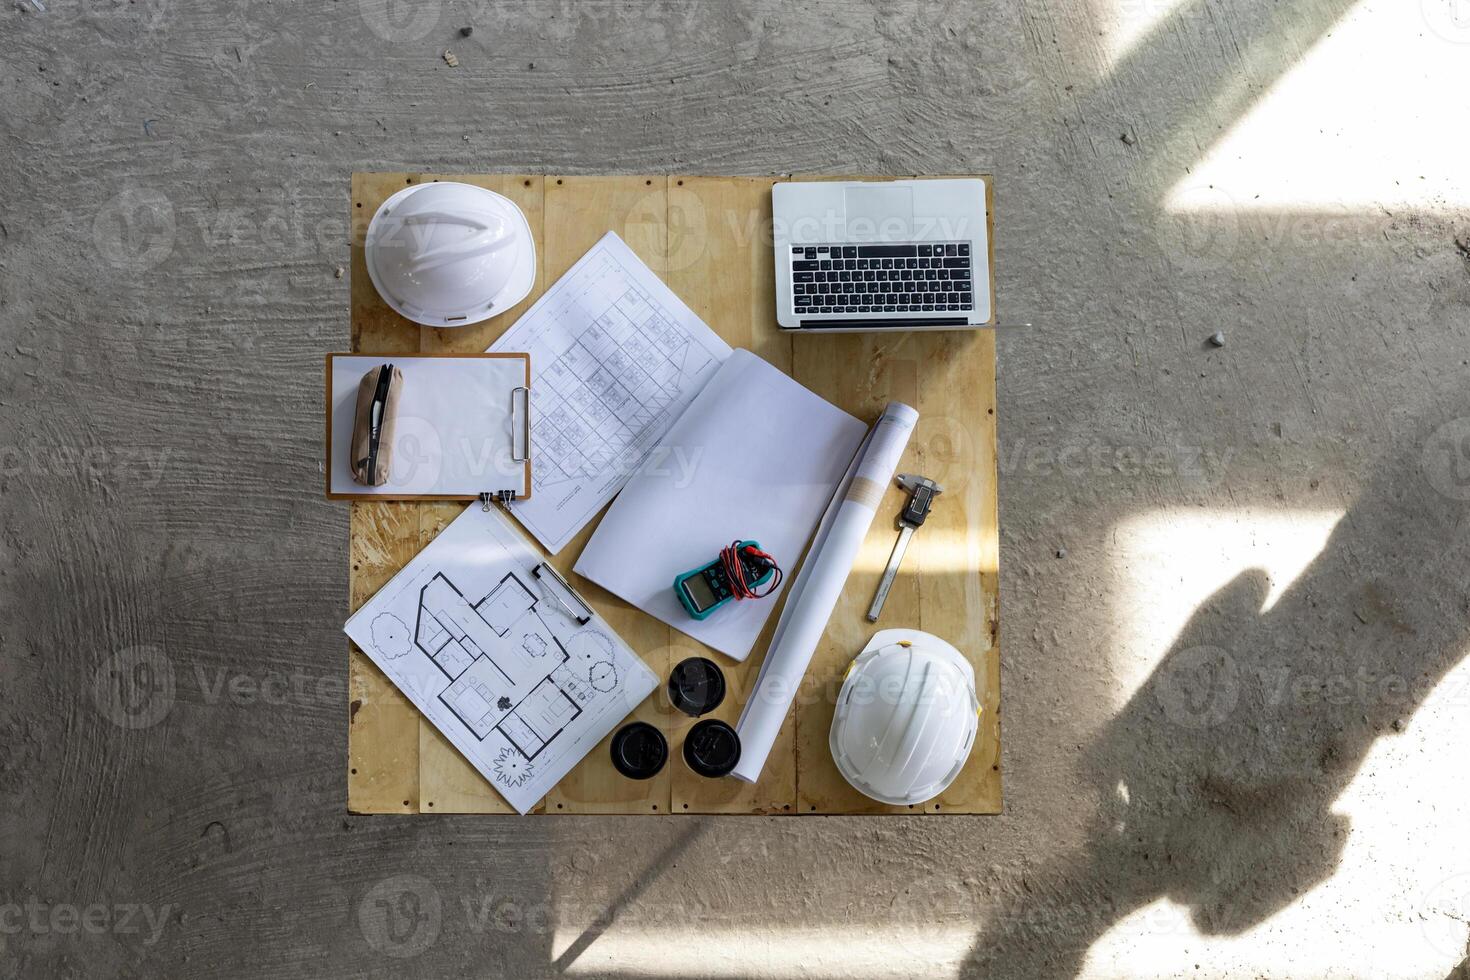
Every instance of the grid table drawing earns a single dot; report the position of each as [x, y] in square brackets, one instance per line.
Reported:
[600, 401]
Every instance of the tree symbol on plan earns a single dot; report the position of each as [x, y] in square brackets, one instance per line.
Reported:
[594, 651]
[390, 636]
[603, 676]
[512, 768]
[590, 646]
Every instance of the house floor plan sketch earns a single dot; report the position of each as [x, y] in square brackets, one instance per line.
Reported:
[496, 660]
[617, 357]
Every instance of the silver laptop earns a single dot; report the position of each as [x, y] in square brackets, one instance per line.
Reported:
[882, 255]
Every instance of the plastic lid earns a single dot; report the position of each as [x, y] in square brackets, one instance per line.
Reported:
[639, 750]
[712, 748]
[696, 686]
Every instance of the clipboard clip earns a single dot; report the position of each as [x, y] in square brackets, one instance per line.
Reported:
[520, 396]
[501, 497]
[520, 407]
[582, 620]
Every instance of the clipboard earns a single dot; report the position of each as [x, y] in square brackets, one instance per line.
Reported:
[463, 429]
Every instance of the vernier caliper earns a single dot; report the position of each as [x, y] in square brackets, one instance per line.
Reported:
[922, 492]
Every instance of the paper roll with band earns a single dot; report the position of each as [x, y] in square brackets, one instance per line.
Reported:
[819, 585]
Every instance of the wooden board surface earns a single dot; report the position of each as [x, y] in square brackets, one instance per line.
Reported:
[709, 238]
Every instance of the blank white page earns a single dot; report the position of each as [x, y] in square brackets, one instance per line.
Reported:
[755, 456]
[454, 430]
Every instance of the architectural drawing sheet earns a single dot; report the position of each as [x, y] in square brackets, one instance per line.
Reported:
[494, 655]
[616, 358]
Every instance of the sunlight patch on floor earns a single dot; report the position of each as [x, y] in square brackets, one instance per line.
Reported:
[1396, 906]
[1128, 23]
[874, 952]
[1170, 562]
[1398, 902]
[1371, 117]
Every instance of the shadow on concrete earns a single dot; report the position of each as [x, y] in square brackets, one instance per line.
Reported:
[1239, 743]
[635, 888]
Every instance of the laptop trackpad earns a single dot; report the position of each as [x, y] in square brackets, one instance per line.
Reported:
[880, 210]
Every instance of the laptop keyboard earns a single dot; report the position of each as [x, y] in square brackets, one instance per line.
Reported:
[847, 279]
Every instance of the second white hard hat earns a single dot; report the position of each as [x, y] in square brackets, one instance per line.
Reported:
[447, 254]
[906, 717]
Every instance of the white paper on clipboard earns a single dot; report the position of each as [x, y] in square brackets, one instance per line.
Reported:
[462, 426]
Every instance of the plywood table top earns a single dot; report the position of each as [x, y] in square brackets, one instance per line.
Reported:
[709, 239]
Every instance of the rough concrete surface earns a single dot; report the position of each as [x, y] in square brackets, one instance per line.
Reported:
[1235, 615]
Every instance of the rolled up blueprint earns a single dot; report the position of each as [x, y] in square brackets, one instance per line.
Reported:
[819, 584]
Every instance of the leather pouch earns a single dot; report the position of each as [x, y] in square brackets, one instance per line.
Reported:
[373, 424]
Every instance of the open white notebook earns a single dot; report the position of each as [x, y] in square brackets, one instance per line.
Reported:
[463, 426]
[756, 456]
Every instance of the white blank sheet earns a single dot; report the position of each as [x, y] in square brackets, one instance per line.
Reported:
[755, 456]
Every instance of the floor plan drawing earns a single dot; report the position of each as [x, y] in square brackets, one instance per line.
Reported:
[514, 679]
[507, 669]
[616, 358]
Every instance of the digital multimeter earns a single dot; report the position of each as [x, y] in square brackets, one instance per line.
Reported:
[706, 589]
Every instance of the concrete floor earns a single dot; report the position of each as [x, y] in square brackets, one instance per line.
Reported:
[1234, 739]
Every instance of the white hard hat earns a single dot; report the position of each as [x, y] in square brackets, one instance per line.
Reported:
[906, 717]
[446, 254]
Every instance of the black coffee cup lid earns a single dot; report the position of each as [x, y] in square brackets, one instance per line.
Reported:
[712, 748]
[639, 750]
[696, 686]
